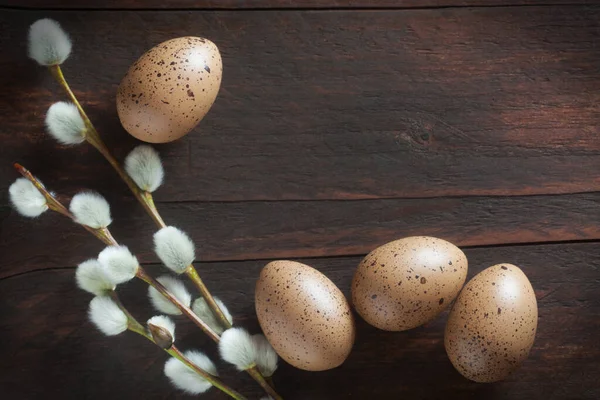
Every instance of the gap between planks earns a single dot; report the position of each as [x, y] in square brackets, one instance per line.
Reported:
[153, 264]
[357, 199]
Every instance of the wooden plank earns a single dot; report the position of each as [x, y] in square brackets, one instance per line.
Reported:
[260, 230]
[275, 4]
[331, 112]
[46, 338]
[336, 104]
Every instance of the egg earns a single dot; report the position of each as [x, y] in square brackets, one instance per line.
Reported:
[408, 282]
[304, 316]
[169, 89]
[492, 325]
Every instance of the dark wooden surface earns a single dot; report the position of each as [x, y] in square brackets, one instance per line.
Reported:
[335, 131]
[275, 4]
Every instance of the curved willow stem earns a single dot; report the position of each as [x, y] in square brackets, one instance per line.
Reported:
[104, 235]
[210, 300]
[134, 326]
[174, 351]
[93, 138]
[255, 373]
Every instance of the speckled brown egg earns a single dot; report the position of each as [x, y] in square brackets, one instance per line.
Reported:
[408, 282]
[492, 325]
[169, 89]
[304, 316]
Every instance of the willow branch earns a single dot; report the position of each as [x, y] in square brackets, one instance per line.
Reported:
[175, 352]
[255, 373]
[145, 199]
[134, 326]
[93, 138]
[104, 235]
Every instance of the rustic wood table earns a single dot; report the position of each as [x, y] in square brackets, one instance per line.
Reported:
[339, 126]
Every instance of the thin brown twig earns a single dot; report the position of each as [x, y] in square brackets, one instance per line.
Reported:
[134, 326]
[106, 237]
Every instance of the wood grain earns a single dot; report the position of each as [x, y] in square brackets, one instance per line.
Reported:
[563, 363]
[275, 4]
[335, 131]
[258, 230]
[337, 105]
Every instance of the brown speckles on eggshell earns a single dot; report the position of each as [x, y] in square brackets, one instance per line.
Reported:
[170, 110]
[491, 327]
[304, 316]
[411, 279]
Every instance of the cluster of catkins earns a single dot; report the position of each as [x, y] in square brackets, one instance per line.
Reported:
[116, 265]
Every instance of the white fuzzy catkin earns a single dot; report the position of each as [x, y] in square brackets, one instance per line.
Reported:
[164, 322]
[65, 124]
[91, 277]
[143, 165]
[48, 43]
[266, 357]
[177, 289]
[119, 264]
[174, 248]
[90, 209]
[237, 348]
[201, 309]
[185, 378]
[27, 199]
[107, 316]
